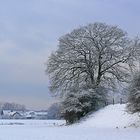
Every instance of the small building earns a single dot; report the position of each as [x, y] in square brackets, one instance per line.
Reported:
[30, 115]
[41, 115]
[15, 115]
[8, 114]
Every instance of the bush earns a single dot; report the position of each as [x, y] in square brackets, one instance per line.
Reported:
[77, 104]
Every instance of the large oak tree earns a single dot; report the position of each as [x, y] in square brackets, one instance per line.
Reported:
[93, 55]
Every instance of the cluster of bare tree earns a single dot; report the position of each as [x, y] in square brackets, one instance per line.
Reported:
[12, 106]
[92, 56]
[53, 111]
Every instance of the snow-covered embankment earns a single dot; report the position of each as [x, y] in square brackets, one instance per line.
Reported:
[112, 116]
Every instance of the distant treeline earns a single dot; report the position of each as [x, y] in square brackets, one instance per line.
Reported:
[12, 106]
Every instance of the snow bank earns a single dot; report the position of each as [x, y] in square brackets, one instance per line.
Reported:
[112, 116]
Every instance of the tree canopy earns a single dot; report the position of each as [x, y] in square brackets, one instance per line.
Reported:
[92, 55]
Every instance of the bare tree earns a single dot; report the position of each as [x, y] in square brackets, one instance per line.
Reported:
[12, 106]
[97, 54]
[133, 105]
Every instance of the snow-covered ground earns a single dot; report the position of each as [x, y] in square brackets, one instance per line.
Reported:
[112, 116]
[110, 123]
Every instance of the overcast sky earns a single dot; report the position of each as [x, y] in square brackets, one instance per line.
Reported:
[29, 30]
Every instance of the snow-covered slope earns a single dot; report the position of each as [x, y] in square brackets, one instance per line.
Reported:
[112, 116]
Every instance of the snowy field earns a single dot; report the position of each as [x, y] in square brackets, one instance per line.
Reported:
[110, 123]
